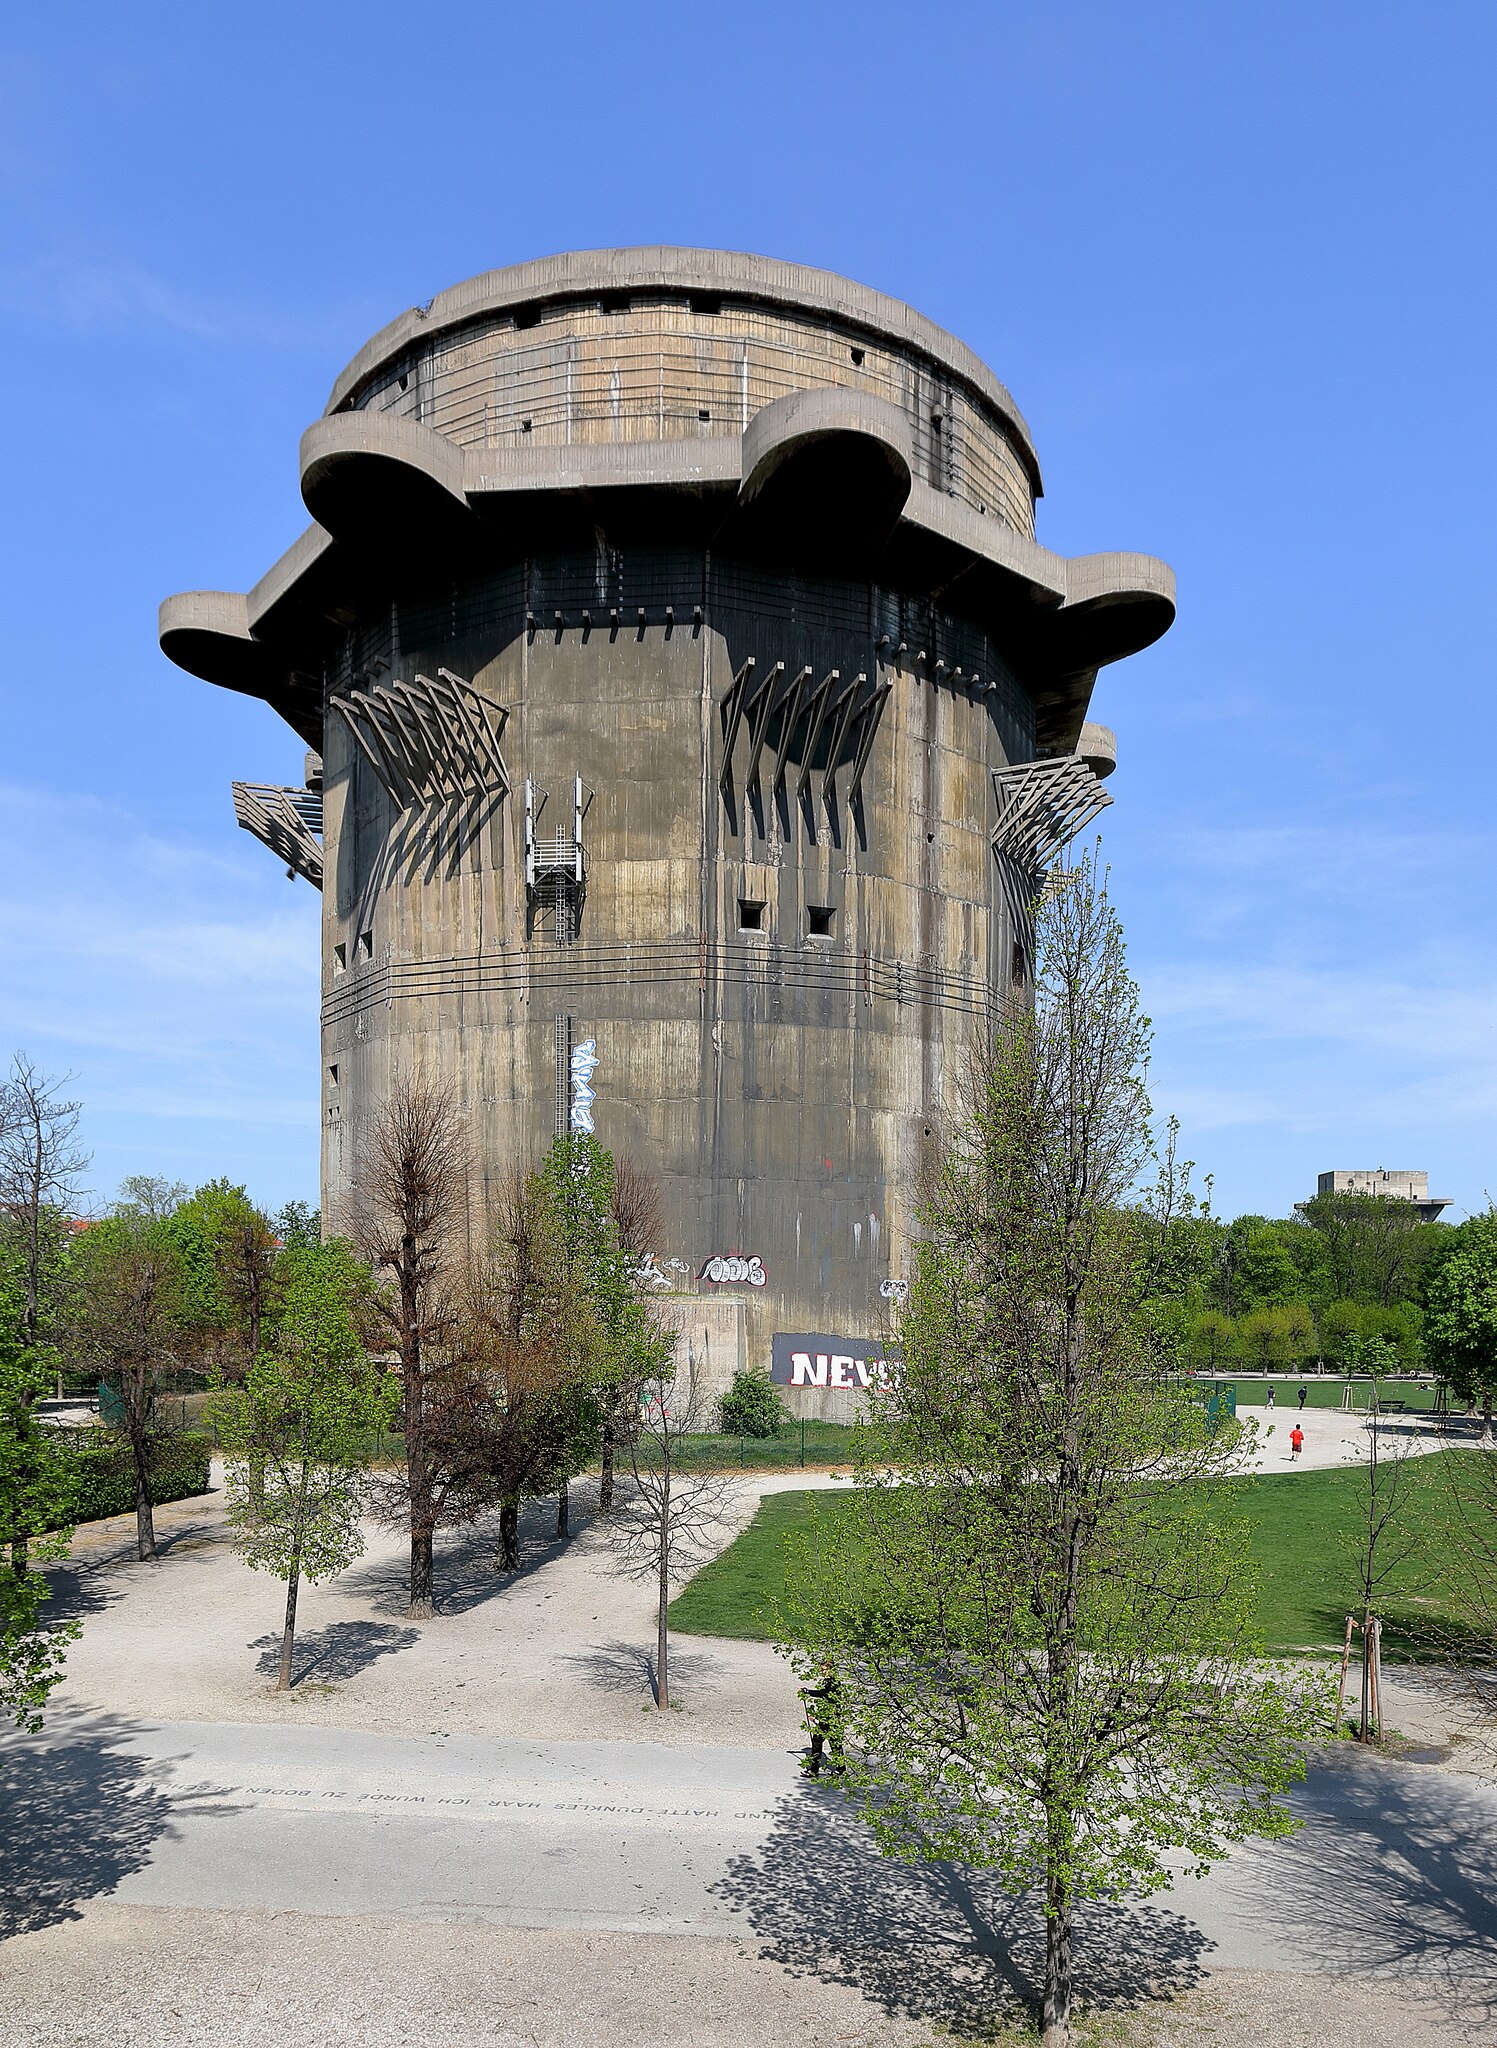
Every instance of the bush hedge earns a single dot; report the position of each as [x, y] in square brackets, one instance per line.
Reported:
[106, 1472]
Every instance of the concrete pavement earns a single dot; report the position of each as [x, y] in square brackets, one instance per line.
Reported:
[1393, 1879]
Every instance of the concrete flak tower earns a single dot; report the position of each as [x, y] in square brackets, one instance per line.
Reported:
[692, 712]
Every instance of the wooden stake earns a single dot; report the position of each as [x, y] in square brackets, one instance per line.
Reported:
[1345, 1661]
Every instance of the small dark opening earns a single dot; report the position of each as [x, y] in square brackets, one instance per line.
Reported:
[405, 382]
[528, 316]
[366, 946]
[340, 957]
[857, 356]
[820, 917]
[1016, 962]
[705, 302]
[332, 1076]
[750, 915]
[704, 414]
[524, 426]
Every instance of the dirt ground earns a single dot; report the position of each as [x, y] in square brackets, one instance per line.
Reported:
[562, 1650]
[132, 1977]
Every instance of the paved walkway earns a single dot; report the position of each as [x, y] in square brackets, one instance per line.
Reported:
[1393, 1878]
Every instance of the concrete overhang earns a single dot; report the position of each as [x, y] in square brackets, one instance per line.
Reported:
[366, 476]
[711, 272]
[207, 633]
[823, 475]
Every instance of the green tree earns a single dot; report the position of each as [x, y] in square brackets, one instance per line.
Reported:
[525, 1420]
[1341, 1327]
[226, 1250]
[1375, 1245]
[297, 1225]
[1212, 1340]
[37, 1482]
[1459, 1295]
[1264, 1337]
[1264, 1274]
[1039, 1650]
[297, 1434]
[604, 1216]
[1300, 1339]
[131, 1319]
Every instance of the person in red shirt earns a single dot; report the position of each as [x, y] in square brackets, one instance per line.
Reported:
[1296, 1441]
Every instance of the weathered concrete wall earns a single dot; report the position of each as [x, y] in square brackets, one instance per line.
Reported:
[783, 1085]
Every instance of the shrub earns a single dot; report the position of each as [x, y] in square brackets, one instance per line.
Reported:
[751, 1407]
[106, 1473]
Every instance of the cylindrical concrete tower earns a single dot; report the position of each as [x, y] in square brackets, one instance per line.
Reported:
[695, 709]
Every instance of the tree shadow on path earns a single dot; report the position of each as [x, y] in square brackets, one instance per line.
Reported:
[1393, 1878]
[936, 1942]
[80, 1814]
[464, 1572]
[628, 1669]
[341, 1650]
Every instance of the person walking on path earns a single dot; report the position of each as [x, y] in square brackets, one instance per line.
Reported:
[821, 1703]
[1270, 1393]
[1296, 1441]
[1304, 1395]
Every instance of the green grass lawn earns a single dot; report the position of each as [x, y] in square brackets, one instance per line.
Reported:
[1326, 1393]
[1301, 1525]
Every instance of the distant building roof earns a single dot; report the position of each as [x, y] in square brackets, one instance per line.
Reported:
[1395, 1184]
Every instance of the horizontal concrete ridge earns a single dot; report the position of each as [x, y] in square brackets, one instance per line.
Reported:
[710, 272]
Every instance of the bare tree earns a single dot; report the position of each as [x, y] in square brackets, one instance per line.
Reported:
[673, 1519]
[1382, 1543]
[638, 1210]
[40, 1171]
[408, 1218]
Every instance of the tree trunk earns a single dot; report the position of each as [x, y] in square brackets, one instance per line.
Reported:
[563, 1511]
[145, 1524]
[1364, 1728]
[509, 1534]
[1486, 1417]
[605, 1481]
[421, 1608]
[662, 1632]
[1055, 2016]
[418, 1492]
[288, 1631]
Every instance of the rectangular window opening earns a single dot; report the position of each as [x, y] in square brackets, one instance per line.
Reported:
[332, 1075]
[750, 915]
[340, 957]
[820, 920]
[366, 946]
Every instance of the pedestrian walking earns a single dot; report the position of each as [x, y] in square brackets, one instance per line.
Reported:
[1270, 1393]
[821, 1704]
[1296, 1441]
[1304, 1395]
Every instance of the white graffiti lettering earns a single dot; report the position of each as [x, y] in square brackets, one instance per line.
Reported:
[584, 1065]
[735, 1269]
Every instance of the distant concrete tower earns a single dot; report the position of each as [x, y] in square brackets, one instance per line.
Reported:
[693, 711]
[1393, 1184]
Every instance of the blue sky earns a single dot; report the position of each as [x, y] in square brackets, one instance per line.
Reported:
[1234, 262]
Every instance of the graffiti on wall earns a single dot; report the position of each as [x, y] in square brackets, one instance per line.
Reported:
[850, 1363]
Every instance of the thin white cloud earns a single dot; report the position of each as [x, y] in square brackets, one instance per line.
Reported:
[177, 982]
